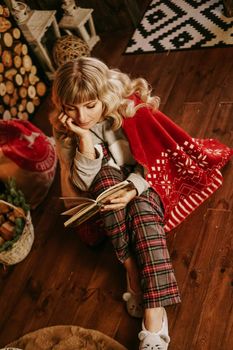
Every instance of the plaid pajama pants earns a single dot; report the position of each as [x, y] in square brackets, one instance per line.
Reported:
[137, 231]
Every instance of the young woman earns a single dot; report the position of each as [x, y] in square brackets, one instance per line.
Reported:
[109, 129]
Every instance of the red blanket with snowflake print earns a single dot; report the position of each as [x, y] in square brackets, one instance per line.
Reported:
[184, 171]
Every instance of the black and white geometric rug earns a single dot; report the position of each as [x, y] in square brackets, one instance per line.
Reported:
[178, 25]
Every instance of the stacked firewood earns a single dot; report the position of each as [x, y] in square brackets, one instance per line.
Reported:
[20, 87]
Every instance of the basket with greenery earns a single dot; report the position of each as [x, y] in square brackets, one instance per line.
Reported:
[16, 229]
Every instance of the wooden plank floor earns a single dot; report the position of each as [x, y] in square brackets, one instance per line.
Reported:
[63, 281]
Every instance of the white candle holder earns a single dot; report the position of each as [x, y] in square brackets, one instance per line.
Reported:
[20, 11]
[69, 6]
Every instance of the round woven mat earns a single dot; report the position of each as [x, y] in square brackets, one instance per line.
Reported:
[66, 338]
[68, 48]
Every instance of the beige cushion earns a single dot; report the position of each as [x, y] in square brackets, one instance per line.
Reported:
[66, 338]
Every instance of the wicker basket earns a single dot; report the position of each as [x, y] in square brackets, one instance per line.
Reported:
[21, 248]
[68, 48]
[11, 349]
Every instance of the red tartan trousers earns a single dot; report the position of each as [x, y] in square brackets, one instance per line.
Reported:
[137, 231]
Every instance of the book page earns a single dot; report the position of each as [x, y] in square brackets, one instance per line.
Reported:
[86, 216]
[76, 209]
[82, 212]
[77, 200]
[105, 194]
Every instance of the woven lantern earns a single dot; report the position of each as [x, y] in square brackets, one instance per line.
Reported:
[68, 48]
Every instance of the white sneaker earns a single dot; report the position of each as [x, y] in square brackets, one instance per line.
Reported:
[155, 340]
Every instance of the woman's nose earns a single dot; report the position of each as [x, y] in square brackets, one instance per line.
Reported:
[81, 115]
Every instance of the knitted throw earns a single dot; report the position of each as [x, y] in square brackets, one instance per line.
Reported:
[184, 171]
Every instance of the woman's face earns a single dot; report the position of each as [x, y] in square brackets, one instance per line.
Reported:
[85, 114]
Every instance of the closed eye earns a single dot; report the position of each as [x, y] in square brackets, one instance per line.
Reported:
[91, 106]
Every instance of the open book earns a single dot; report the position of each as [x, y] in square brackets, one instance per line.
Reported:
[88, 207]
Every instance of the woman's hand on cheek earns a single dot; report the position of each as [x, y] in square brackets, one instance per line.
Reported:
[119, 200]
[76, 129]
[70, 125]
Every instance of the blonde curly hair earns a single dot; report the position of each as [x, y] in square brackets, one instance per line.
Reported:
[88, 78]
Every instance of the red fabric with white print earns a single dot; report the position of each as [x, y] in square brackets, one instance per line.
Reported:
[27, 146]
[184, 171]
[29, 156]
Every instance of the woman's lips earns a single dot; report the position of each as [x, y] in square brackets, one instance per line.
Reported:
[83, 125]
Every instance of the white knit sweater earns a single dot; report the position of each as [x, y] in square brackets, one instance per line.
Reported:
[84, 170]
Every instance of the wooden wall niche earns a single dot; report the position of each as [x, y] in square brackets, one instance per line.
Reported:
[21, 87]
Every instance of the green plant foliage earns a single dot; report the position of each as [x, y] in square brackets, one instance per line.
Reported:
[10, 194]
[14, 196]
